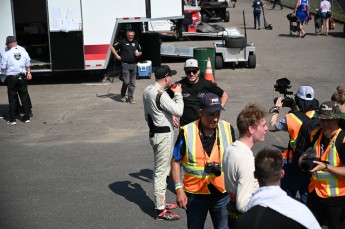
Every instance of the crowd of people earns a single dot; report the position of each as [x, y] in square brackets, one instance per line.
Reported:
[214, 172]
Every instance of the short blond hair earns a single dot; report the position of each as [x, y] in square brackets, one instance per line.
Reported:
[251, 115]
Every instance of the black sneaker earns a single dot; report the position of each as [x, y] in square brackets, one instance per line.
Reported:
[166, 215]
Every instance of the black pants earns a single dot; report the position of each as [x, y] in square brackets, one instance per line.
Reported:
[18, 86]
[277, 2]
[332, 209]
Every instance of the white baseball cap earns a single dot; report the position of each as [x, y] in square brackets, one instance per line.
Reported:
[305, 92]
[191, 63]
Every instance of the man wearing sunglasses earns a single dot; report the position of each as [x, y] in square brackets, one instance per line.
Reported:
[194, 88]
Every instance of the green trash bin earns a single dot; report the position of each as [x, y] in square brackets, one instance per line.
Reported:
[201, 55]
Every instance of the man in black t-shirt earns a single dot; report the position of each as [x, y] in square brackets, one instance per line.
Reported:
[130, 52]
[193, 88]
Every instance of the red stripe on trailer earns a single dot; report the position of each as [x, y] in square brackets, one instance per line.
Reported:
[96, 52]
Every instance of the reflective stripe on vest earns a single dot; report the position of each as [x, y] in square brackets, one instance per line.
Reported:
[195, 178]
[326, 184]
[294, 125]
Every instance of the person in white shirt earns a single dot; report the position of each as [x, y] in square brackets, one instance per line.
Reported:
[325, 8]
[238, 160]
[16, 64]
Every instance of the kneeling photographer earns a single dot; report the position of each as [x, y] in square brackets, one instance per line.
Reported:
[302, 108]
[325, 159]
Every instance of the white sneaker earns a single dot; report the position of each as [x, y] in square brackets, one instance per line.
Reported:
[11, 123]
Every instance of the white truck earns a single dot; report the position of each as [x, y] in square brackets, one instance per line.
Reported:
[65, 35]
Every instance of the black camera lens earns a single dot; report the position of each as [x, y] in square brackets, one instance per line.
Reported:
[213, 168]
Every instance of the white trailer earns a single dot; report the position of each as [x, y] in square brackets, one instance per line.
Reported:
[65, 35]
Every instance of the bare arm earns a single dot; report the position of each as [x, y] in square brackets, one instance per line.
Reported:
[274, 118]
[337, 171]
[113, 50]
[296, 6]
[181, 198]
[224, 99]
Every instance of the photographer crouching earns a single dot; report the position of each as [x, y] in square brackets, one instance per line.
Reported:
[302, 108]
[325, 159]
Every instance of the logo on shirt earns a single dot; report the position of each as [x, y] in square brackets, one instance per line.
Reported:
[17, 56]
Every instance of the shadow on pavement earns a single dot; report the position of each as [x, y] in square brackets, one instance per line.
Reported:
[133, 192]
[115, 97]
[144, 175]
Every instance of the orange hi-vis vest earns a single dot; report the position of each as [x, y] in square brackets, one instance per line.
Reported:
[195, 179]
[293, 125]
[326, 184]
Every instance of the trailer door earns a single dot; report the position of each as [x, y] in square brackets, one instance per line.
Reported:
[66, 35]
[6, 19]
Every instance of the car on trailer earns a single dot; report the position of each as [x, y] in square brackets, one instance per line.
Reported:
[214, 10]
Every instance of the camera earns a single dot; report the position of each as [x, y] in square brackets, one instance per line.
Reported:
[307, 162]
[213, 167]
[282, 85]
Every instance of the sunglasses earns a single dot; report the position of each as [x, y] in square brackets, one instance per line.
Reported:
[189, 71]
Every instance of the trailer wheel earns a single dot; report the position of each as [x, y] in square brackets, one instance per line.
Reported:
[219, 62]
[240, 42]
[251, 61]
[227, 16]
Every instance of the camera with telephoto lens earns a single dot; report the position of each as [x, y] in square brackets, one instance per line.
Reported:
[213, 167]
[307, 161]
[282, 85]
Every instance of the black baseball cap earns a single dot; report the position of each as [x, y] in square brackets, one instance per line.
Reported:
[211, 103]
[163, 71]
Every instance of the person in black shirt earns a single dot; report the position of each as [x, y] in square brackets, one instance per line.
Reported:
[130, 51]
[193, 88]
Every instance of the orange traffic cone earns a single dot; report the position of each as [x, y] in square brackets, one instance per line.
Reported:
[209, 73]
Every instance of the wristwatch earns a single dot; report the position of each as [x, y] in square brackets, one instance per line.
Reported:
[326, 168]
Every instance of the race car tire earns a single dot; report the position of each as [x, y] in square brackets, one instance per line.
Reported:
[240, 42]
[219, 62]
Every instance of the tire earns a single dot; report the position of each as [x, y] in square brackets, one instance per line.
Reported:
[252, 61]
[219, 62]
[227, 16]
[231, 42]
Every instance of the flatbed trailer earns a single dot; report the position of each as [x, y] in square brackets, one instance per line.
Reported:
[68, 35]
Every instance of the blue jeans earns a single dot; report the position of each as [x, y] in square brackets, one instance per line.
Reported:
[257, 15]
[199, 205]
[294, 180]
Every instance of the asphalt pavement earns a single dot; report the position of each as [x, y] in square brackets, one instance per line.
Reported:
[85, 160]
